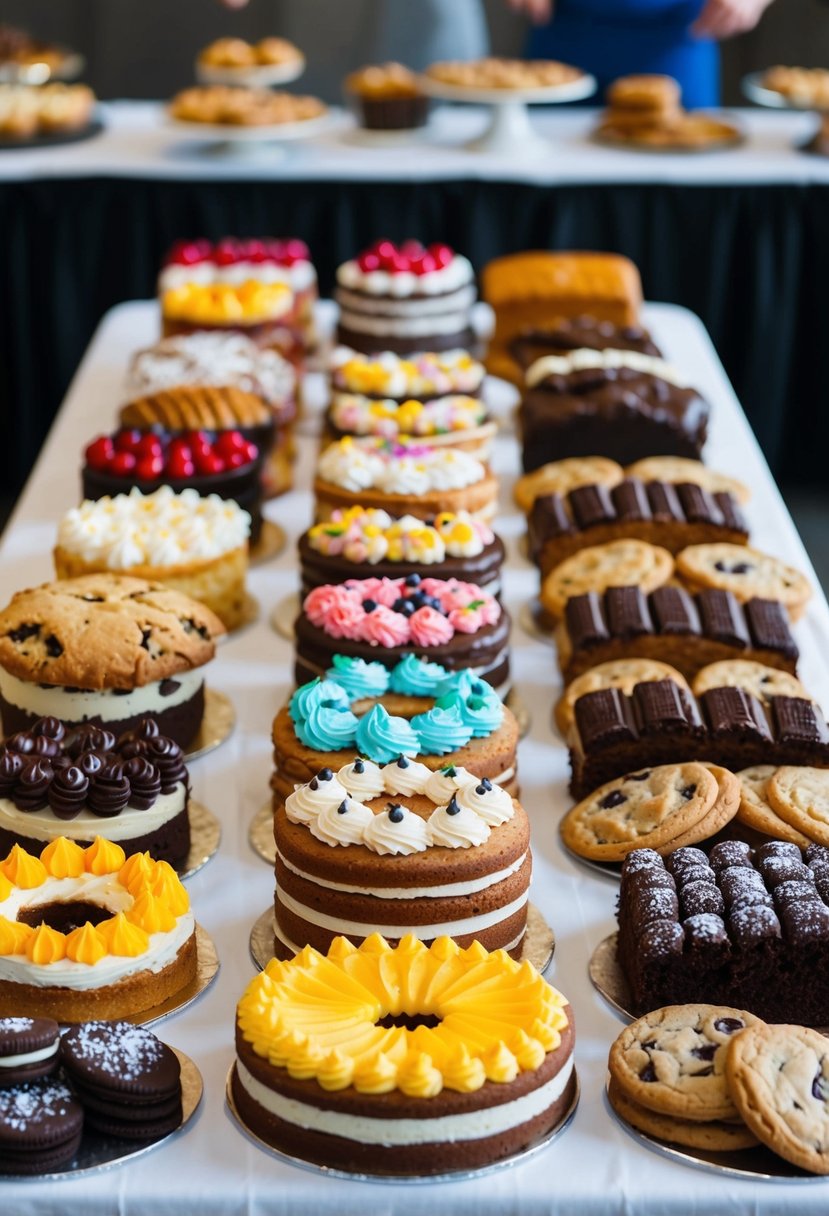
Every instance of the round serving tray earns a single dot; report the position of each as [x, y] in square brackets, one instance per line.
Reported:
[754, 89]
[530, 618]
[263, 76]
[760, 1163]
[284, 614]
[205, 837]
[733, 139]
[54, 138]
[607, 869]
[217, 724]
[607, 977]
[538, 948]
[207, 968]
[98, 1152]
[454, 1176]
[250, 615]
[272, 540]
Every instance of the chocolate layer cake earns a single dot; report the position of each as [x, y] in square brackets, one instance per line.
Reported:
[672, 626]
[662, 723]
[655, 511]
[619, 411]
[739, 927]
[580, 333]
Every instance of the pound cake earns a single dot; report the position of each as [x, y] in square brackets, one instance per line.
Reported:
[361, 541]
[89, 933]
[738, 926]
[400, 849]
[105, 649]
[415, 710]
[59, 782]
[402, 479]
[536, 289]
[386, 1060]
[405, 298]
[455, 624]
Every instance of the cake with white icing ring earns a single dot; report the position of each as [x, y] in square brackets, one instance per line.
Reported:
[400, 849]
[416, 710]
[107, 649]
[405, 298]
[391, 1061]
[405, 478]
[88, 933]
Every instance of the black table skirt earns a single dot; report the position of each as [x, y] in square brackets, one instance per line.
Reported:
[751, 260]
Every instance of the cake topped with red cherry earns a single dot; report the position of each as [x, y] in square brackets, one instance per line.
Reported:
[226, 463]
[405, 297]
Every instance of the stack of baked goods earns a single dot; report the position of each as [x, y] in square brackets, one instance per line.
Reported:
[235, 61]
[405, 1071]
[265, 260]
[27, 111]
[645, 112]
[20, 52]
[715, 1079]
[387, 97]
[506, 74]
[404, 298]
[236, 106]
[803, 87]
[430, 397]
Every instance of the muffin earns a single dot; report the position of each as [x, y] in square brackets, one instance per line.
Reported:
[387, 97]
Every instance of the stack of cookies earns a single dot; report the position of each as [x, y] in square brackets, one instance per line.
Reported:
[717, 1079]
[645, 111]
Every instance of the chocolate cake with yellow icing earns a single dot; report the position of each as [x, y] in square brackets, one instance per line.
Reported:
[390, 1061]
[88, 933]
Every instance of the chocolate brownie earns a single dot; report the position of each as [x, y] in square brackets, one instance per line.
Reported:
[28, 1049]
[660, 723]
[672, 626]
[659, 512]
[739, 926]
[128, 1080]
[579, 333]
[620, 412]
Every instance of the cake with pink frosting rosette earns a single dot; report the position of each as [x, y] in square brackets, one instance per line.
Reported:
[447, 621]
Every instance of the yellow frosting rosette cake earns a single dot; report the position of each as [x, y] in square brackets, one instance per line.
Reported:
[407, 1060]
[87, 933]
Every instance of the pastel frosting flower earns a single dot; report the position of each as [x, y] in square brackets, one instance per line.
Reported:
[430, 627]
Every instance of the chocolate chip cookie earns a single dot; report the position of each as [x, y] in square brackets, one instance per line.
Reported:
[764, 682]
[747, 573]
[755, 811]
[714, 1137]
[680, 470]
[619, 563]
[562, 476]
[800, 796]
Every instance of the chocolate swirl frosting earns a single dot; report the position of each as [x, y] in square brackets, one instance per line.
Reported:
[145, 782]
[32, 790]
[68, 791]
[109, 792]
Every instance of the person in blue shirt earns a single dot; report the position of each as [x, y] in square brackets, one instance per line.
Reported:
[612, 38]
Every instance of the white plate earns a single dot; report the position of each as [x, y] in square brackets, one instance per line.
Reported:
[261, 77]
[275, 132]
[754, 89]
[573, 90]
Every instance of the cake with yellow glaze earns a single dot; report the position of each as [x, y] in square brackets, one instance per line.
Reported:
[398, 849]
[258, 310]
[89, 933]
[403, 1061]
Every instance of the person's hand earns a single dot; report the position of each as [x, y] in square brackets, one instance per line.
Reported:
[538, 11]
[233, 3]
[725, 18]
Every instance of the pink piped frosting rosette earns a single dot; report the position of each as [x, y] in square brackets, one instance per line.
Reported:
[375, 610]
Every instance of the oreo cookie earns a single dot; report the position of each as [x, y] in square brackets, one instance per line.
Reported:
[29, 1049]
[128, 1081]
[40, 1127]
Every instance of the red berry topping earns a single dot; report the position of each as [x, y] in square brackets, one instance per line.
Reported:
[150, 468]
[384, 248]
[297, 249]
[149, 445]
[180, 447]
[122, 464]
[209, 464]
[180, 464]
[99, 453]
[412, 249]
[128, 441]
[425, 264]
[368, 262]
[198, 441]
[443, 254]
[250, 451]
[399, 264]
[235, 460]
[189, 253]
[255, 251]
[228, 442]
[228, 252]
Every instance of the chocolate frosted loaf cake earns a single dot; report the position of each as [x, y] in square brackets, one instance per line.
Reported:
[659, 512]
[619, 404]
[580, 333]
[660, 722]
[741, 927]
[672, 626]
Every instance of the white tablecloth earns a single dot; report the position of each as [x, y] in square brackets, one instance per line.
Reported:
[595, 1167]
[138, 142]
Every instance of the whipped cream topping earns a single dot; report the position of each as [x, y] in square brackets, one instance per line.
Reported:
[299, 277]
[446, 782]
[490, 802]
[583, 358]
[373, 464]
[362, 779]
[344, 820]
[161, 529]
[210, 358]
[420, 375]
[401, 284]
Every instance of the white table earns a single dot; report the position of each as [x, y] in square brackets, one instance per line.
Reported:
[138, 143]
[595, 1167]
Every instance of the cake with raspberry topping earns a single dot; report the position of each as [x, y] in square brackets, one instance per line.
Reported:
[224, 463]
[260, 260]
[453, 623]
[406, 298]
[79, 780]
[353, 542]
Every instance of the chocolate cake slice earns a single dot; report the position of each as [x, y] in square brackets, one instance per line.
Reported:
[738, 926]
[580, 333]
[662, 723]
[672, 626]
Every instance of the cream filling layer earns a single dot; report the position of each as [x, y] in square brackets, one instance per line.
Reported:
[402, 283]
[280, 934]
[446, 928]
[436, 892]
[45, 824]
[400, 327]
[382, 306]
[584, 358]
[299, 277]
[393, 1133]
[30, 1057]
[105, 891]
[105, 703]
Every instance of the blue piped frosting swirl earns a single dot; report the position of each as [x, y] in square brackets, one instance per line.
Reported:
[441, 730]
[382, 738]
[357, 677]
[328, 729]
[412, 677]
[317, 692]
[477, 702]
